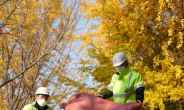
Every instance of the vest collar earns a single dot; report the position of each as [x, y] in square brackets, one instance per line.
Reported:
[124, 72]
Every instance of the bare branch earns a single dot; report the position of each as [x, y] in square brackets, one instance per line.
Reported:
[4, 2]
[8, 17]
[6, 82]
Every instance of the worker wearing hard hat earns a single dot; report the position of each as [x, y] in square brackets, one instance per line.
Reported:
[126, 85]
[42, 96]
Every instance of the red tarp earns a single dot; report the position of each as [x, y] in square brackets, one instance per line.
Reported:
[85, 101]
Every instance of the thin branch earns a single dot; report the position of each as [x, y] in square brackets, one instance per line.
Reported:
[8, 17]
[4, 2]
[6, 82]
[22, 71]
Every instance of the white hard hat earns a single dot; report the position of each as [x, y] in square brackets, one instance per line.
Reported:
[42, 90]
[119, 58]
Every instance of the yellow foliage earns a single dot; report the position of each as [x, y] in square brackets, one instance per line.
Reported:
[151, 33]
[3, 99]
[32, 34]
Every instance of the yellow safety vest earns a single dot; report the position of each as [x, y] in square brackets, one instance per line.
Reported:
[124, 85]
[31, 107]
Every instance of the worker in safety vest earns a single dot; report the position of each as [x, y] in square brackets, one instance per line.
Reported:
[126, 85]
[42, 97]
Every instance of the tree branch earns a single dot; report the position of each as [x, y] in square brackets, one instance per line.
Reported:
[4, 2]
[6, 82]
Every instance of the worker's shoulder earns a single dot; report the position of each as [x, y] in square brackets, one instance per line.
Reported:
[27, 107]
[135, 72]
[114, 75]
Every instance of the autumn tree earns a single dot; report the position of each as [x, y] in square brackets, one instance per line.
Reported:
[150, 32]
[37, 44]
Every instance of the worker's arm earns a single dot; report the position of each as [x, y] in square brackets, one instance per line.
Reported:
[140, 94]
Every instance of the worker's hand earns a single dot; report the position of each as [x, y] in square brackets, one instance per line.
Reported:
[138, 101]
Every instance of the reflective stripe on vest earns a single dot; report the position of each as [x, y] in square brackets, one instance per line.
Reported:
[123, 95]
[137, 86]
[127, 91]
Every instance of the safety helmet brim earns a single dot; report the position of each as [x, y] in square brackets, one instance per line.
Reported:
[118, 64]
[42, 90]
